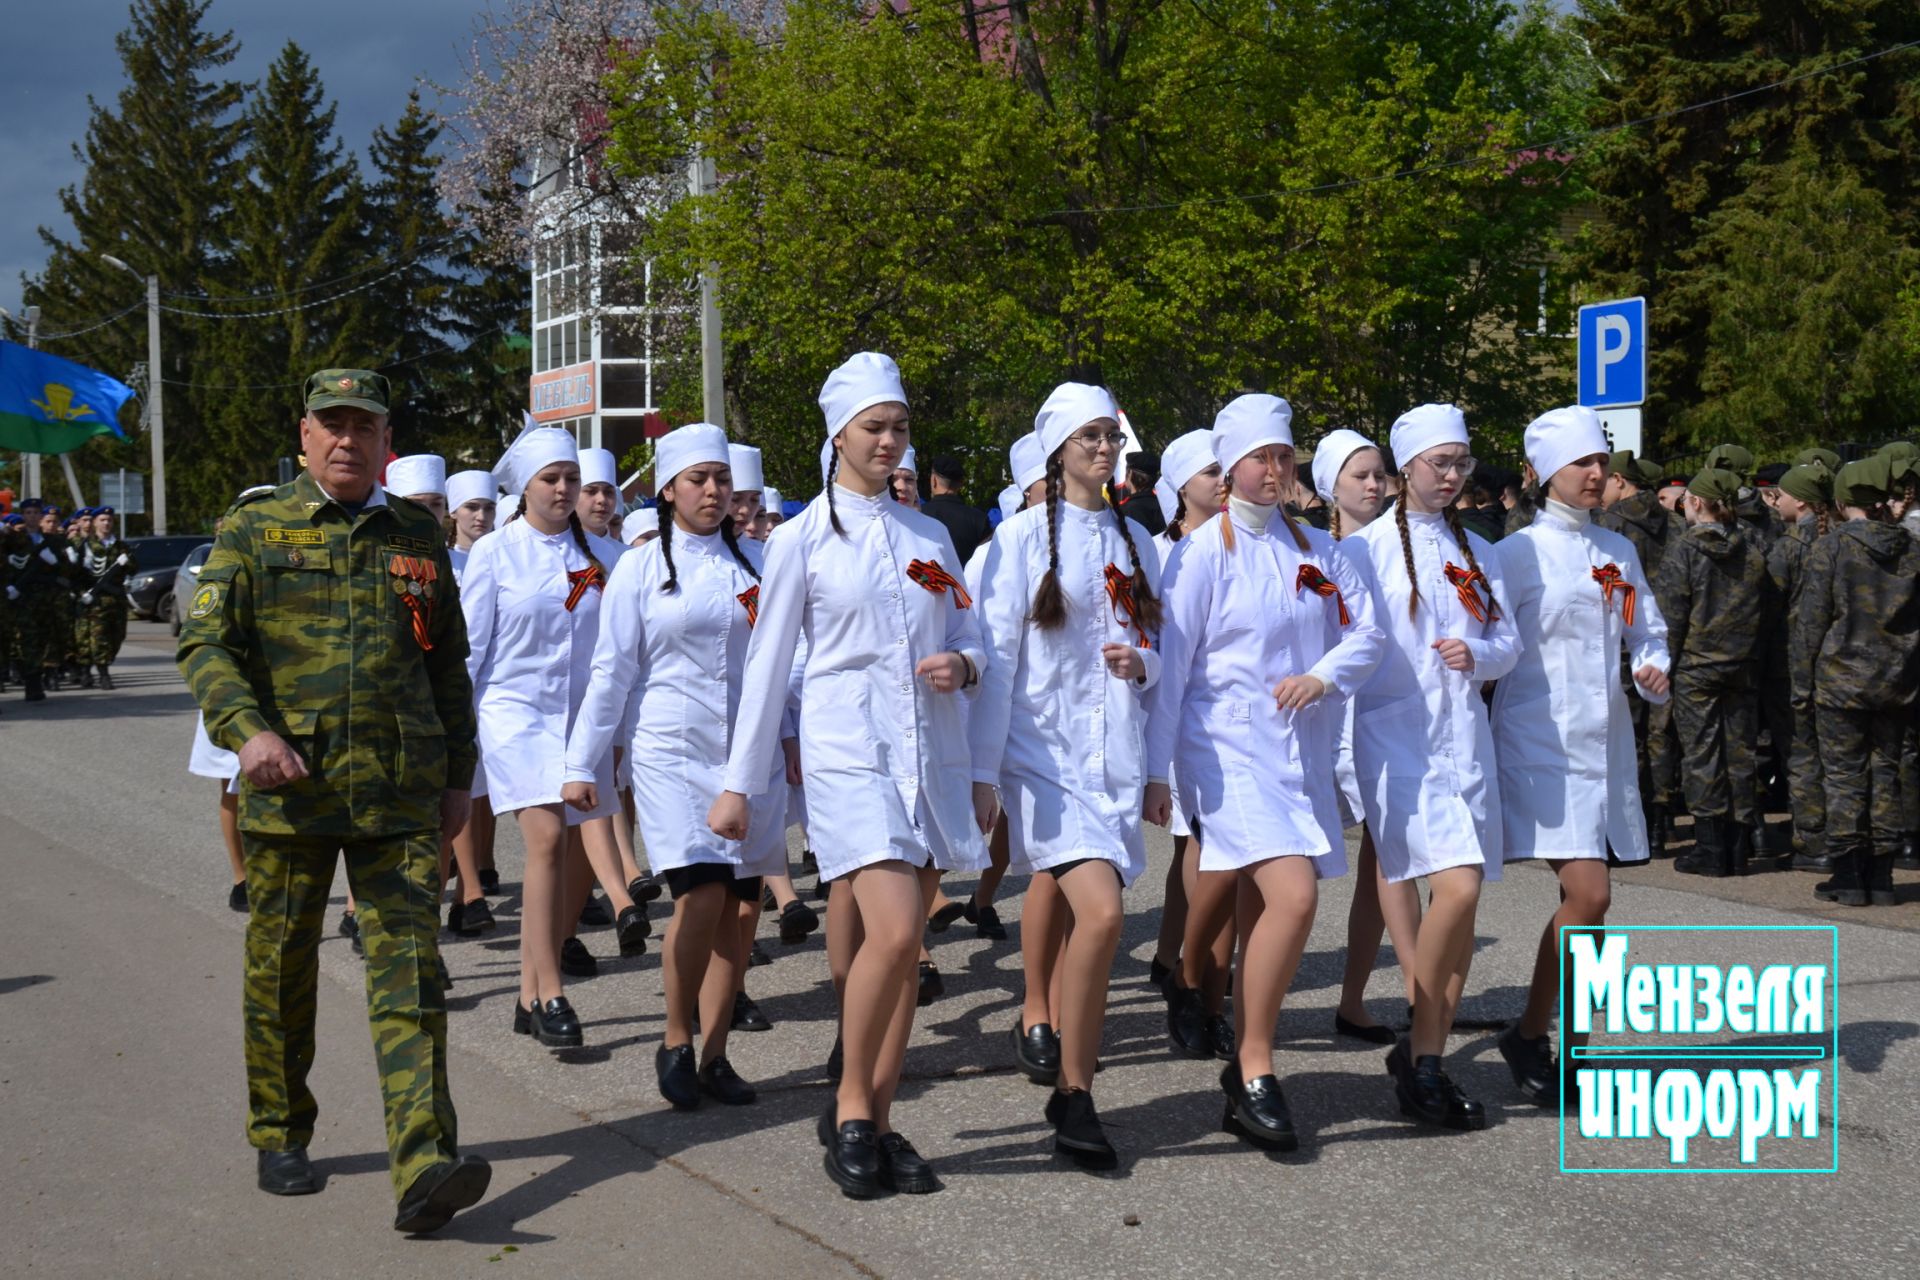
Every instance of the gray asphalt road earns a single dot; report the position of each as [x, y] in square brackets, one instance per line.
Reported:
[123, 1104]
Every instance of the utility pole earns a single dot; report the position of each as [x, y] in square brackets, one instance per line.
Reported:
[156, 415]
[702, 179]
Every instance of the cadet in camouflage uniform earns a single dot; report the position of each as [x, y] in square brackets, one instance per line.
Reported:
[1716, 579]
[1806, 502]
[1904, 459]
[1856, 657]
[1633, 510]
[325, 645]
[36, 589]
[106, 563]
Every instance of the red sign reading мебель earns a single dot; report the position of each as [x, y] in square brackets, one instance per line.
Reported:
[563, 393]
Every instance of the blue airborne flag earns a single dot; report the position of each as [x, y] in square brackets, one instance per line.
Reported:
[50, 405]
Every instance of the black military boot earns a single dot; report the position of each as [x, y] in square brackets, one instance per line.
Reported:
[1659, 830]
[1810, 852]
[1772, 845]
[1739, 848]
[1908, 856]
[1712, 854]
[1880, 879]
[106, 681]
[83, 673]
[1848, 887]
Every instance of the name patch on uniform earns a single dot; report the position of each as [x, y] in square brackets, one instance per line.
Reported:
[296, 537]
[400, 542]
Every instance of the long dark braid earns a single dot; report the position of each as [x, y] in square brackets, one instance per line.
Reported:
[580, 540]
[666, 541]
[1176, 527]
[1406, 548]
[1333, 521]
[833, 469]
[728, 536]
[1473, 563]
[1146, 605]
[1049, 602]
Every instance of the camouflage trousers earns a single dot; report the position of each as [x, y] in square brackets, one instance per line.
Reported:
[396, 888]
[100, 630]
[1861, 753]
[38, 637]
[1714, 722]
[1806, 778]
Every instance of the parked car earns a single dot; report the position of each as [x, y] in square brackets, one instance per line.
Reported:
[150, 590]
[185, 578]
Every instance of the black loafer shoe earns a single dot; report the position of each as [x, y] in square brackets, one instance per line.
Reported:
[480, 915]
[719, 1081]
[809, 865]
[836, 1061]
[1429, 1096]
[986, 924]
[1535, 1073]
[633, 929]
[286, 1173]
[457, 921]
[942, 920]
[1257, 1110]
[756, 956]
[595, 915]
[489, 881]
[522, 1018]
[1076, 1130]
[679, 1080]
[932, 985]
[747, 1015]
[1375, 1034]
[349, 926]
[1037, 1050]
[645, 889]
[556, 1025]
[797, 920]
[237, 898]
[1187, 1021]
[1226, 1045]
[441, 1192]
[903, 1169]
[576, 961]
[853, 1160]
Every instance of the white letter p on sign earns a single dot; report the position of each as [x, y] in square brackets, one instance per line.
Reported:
[1614, 338]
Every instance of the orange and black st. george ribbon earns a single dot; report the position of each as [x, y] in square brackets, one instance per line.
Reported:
[1311, 579]
[930, 575]
[1610, 580]
[1125, 607]
[750, 601]
[1467, 582]
[581, 579]
[412, 574]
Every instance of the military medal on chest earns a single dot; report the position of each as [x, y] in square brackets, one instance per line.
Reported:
[414, 581]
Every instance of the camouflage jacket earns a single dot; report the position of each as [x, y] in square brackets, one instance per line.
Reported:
[1713, 587]
[1650, 527]
[343, 634]
[1856, 633]
[105, 569]
[27, 569]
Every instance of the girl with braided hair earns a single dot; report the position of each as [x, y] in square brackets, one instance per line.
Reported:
[1070, 612]
[1569, 773]
[891, 637]
[672, 647]
[1264, 619]
[1422, 747]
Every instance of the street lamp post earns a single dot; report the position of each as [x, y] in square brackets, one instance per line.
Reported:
[156, 416]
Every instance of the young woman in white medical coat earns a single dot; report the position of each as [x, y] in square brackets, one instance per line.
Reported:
[1264, 619]
[531, 595]
[1069, 608]
[673, 643]
[1569, 778]
[1422, 749]
[891, 640]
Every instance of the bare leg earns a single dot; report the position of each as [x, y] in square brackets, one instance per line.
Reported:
[1275, 906]
[1446, 952]
[1092, 890]
[725, 963]
[996, 871]
[1210, 911]
[1586, 893]
[1400, 904]
[602, 847]
[746, 919]
[879, 985]
[692, 936]
[1173, 911]
[1043, 925]
[782, 886]
[544, 831]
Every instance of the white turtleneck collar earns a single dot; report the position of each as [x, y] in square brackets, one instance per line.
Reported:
[843, 494]
[1567, 517]
[1251, 514]
[1425, 517]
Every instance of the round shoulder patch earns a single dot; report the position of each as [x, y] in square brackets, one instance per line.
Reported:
[205, 600]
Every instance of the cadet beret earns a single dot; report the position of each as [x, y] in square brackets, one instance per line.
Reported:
[1769, 475]
[358, 388]
[103, 511]
[1825, 457]
[1863, 482]
[1715, 485]
[1809, 482]
[1731, 457]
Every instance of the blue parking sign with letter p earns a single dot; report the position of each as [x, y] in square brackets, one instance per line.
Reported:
[1613, 353]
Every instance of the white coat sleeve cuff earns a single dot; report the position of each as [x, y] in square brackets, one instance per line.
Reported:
[1150, 658]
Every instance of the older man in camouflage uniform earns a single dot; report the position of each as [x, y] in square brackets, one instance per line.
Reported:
[326, 646]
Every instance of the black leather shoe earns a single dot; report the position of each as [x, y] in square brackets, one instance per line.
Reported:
[747, 1015]
[797, 920]
[1037, 1050]
[106, 680]
[645, 889]
[556, 1025]
[522, 1018]
[1659, 830]
[1257, 1110]
[489, 881]
[986, 922]
[1428, 1095]
[457, 921]
[809, 865]
[932, 985]
[903, 1169]
[756, 956]
[286, 1173]
[836, 1061]
[576, 961]
[1771, 844]
[942, 920]
[1535, 1073]
[679, 1078]
[1076, 1130]
[479, 916]
[237, 898]
[719, 1081]
[1226, 1045]
[853, 1160]
[1375, 1034]
[633, 929]
[1187, 1021]
[440, 1192]
[595, 915]
[348, 927]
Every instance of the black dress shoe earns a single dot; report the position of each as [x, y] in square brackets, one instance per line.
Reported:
[595, 915]
[986, 923]
[1076, 1130]
[633, 929]
[942, 920]
[723, 1084]
[1226, 1045]
[1187, 1021]
[645, 889]
[1037, 1050]
[556, 1025]
[903, 1169]
[1427, 1094]
[237, 898]
[1535, 1073]
[756, 956]
[457, 921]
[853, 1160]
[522, 1018]
[809, 865]
[479, 916]
[836, 1061]
[440, 1192]
[286, 1173]
[576, 961]
[747, 1015]
[106, 680]
[932, 985]
[1375, 1034]
[489, 881]
[1257, 1110]
[679, 1078]
[797, 920]
[349, 927]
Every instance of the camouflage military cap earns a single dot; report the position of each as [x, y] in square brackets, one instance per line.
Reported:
[1731, 457]
[1898, 449]
[360, 388]
[1825, 457]
[1637, 471]
[1810, 482]
[1864, 482]
[1715, 485]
